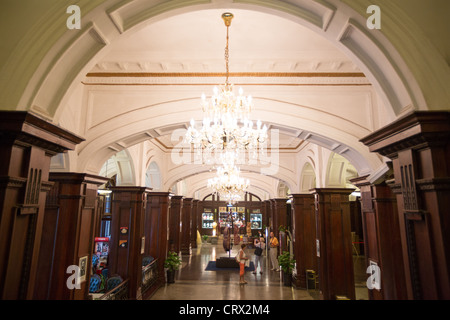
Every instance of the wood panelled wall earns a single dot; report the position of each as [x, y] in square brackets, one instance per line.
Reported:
[382, 242]
[333, 232]
[70, 221]
[304, 233]
[156, 229]
[128, 206]
[419, 146]
[175, 218]
[186, 224]
[27, 144]
[404, 217]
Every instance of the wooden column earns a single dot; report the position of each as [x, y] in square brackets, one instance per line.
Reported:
[304, 233]
[266, 213]
[194, 219]
[280, 214]
[176, 207]
[156, 229]
[27, 144]
[273, 218]
[68, 234]
[186, 227]
[200, 208]
[127, 232]
[382, 242]
[335, 244]
[419, 146]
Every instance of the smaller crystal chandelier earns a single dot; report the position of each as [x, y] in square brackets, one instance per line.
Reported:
[228, 184]
[231, 198]
[226, 124]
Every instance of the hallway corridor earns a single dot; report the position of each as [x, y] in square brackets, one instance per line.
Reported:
[192, 282]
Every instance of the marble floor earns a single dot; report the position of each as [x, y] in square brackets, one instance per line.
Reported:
[192, 282]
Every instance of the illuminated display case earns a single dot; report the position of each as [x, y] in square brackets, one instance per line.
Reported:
[237, 216]
[256, 221]
[207, 220]
[224, 217]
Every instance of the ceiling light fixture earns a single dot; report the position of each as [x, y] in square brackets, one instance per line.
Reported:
[226, 124]
[228, 184]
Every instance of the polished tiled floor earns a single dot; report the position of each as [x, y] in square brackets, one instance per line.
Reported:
[192, 282]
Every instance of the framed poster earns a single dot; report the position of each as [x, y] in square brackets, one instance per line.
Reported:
[82, 264]
[123, 243]
[318, 247]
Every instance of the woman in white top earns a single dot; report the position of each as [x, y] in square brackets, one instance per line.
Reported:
[242, 260]
[258, 254]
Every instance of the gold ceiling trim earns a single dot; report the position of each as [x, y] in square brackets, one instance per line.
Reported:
[236, 83]
[221, 74]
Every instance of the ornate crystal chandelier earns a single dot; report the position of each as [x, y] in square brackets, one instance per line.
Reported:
[226, 125]
[228, 183]
[232, 198]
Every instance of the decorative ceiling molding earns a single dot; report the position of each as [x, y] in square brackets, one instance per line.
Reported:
[306, 65]
[240, 78]
[231, 74]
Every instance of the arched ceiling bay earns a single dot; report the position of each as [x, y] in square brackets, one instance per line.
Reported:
[149, 83]
[195, 42]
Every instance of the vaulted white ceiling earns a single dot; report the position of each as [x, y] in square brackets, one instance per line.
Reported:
[195, 42]
[148, 84]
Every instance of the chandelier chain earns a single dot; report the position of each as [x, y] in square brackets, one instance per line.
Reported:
[227, 57]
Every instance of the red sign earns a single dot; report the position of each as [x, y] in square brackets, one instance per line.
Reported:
[101, 239]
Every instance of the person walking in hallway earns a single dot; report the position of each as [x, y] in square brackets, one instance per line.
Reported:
[273, 251]
[242, 262]
[259, 249]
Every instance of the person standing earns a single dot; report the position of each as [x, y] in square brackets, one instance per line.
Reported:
[259, 249]
[242, 262]
[273, 251]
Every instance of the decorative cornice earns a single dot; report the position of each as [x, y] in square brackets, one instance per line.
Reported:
[130, 189]
[361, 181]
[395, 187]
[25, 128]
[222, 74]
[77, 178]
[241, 78]
[433, 184]
[46, 186]
[12, 182]
[414, 130]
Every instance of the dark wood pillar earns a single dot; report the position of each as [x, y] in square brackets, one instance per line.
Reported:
[280, 214]
[156, 229]
[382, 242]
[336, 276]
[194, 219]
[304, 233]
[266, 213]
[273, 218]
[186, 226]
[127, 233]
[419, 146]
[68, 235]
[27, 144]
[200, 208]
[176, 207]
